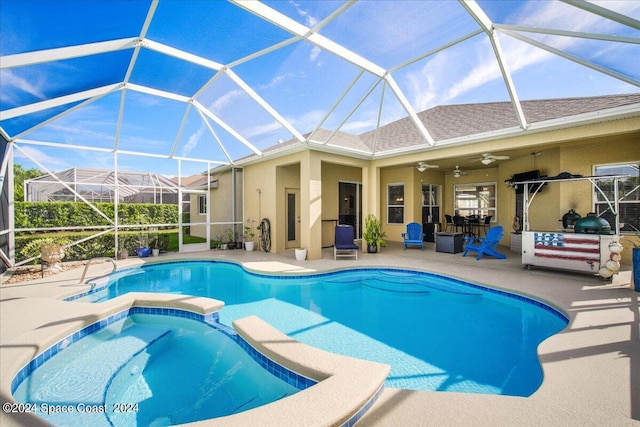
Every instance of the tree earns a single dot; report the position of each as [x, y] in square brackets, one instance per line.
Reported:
[20, 174]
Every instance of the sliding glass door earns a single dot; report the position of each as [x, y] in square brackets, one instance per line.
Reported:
[350, 206]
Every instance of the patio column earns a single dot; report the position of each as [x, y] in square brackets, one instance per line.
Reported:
[371, 191]
[311, 205]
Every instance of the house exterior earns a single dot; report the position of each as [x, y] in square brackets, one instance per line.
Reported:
[304, 189]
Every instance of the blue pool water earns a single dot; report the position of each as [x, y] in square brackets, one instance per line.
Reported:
[437, 333]
[149, 369]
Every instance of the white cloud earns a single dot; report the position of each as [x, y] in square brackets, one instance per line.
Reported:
[357, 127]
[35, 155]
[310, 21]
[11, 82]
[193, 141]
[315, 52]
[261, 129]
[218, 105]
[475, 63]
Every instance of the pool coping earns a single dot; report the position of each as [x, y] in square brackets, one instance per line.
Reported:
[346, 387]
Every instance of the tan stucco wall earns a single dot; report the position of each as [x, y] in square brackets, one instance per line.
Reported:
[220, 207]
[317, 175]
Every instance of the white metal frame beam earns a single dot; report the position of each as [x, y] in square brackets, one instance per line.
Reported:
[573, 58]
[69, 52]
[226, 127]
[477, 13]
[249, 91]
[57, 102]
[265, 12]
[276, 18]
[604, 12]
[565, 33]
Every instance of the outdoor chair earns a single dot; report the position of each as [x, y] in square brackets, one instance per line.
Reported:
[459, 222]
[486, 245]
[413, 236]
[449, 223]
[486, 224]
[344, 246]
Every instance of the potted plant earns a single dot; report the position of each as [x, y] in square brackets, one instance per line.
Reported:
[248, 235]
[231, 242]
[373, 235]
[51, 254]
[123, 251]
[143, 250]
[155, 246]
[301, 254]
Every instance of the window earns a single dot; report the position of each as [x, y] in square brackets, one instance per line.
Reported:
[202, 205]
[395, 204]
[628, 194]
[430, 203]
[475, 199]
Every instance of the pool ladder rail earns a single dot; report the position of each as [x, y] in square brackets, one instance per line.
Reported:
[86, 267]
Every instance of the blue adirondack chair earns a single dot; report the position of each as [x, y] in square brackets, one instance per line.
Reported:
[486, 245]
[413, 236]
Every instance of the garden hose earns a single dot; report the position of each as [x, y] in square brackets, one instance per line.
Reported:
[265, 235]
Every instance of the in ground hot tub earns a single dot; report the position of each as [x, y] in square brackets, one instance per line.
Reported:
[140, 368]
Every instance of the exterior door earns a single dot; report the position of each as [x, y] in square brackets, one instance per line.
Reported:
[292, 201]
[350, 206]
[194, 235]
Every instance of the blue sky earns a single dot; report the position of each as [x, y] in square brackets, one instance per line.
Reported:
[300, 80]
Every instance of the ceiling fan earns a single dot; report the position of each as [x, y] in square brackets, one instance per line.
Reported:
[422, 166]
[488, 158]
[457, 173]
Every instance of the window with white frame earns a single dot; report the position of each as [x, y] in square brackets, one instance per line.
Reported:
[628, 194]
[475, 199]
[395, 204]
[202, 205]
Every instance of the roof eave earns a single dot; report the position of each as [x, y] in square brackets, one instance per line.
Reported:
[617, 113]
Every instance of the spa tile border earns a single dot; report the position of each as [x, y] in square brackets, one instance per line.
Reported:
[212, 319]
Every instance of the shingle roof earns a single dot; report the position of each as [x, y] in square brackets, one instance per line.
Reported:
[447, 122]
[454, 121]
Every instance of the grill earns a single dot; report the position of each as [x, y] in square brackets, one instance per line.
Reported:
[592, 225]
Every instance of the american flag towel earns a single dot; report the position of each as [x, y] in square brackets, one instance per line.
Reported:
[574, 247]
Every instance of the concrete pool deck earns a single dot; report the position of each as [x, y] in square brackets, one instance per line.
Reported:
[591, 369]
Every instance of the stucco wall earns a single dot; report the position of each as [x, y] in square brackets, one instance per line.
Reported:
[577, 154]
[220, 206]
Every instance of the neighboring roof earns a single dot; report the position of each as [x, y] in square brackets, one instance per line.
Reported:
[96, 184]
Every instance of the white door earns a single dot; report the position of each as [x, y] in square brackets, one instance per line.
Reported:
[292, 201]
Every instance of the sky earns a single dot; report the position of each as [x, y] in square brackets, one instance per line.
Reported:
[299, 81]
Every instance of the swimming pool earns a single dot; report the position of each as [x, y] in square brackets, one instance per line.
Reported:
[437, 333]
[125, 371]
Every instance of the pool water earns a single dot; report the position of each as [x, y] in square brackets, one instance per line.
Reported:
[437, 333]
[149, 369]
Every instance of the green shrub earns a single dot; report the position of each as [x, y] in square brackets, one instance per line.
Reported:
[79, 214]
[28, 245]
